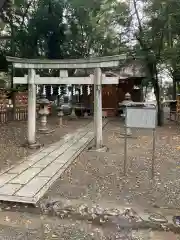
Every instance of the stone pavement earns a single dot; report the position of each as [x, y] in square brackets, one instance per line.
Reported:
[29, 181]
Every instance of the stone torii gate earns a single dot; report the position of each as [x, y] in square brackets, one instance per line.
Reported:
[32, 79]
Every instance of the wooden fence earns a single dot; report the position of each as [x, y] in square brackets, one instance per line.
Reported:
[7, 113]
[20, 113]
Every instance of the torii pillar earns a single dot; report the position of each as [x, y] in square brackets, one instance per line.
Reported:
[98, 108]
[31, 131]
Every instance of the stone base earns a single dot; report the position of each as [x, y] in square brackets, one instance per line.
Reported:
[102, 149]
[45, 130]
[32, 145]
[122, 135]
[65, 121]
[72, 117]
[86, 115]
[128, 134]
[61, 125]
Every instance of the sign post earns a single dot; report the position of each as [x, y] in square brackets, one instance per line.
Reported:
[125, 150]
[138, 115]
[153, 153]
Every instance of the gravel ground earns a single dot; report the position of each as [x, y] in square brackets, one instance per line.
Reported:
[20, 226]
[98, 177]
[27, 226]
[71, 231]
[13, 135]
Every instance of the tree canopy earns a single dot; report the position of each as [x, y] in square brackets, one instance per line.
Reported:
[149, 29]
[66, 29]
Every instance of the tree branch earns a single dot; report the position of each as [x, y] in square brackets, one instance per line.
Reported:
[25, 13]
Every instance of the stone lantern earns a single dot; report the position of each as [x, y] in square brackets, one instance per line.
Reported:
[44, 112]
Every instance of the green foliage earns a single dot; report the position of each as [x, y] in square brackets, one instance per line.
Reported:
[164, 32]
[167, 90]
[66, 29]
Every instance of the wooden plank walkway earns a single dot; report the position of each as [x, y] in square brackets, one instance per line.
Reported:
[28, 181]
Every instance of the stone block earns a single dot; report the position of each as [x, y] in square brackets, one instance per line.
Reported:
[9, 189]
[49, 150]
[20, 168]
[44, 162]
[32, 187]
[45, 188]
[51, 170]
[36, 157]
[5, 178]
[60, 151]
[26, 176]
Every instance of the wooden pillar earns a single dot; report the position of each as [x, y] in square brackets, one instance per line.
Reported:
[31, 135]
[98, 108]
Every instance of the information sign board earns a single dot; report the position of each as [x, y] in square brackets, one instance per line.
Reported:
[141, 117]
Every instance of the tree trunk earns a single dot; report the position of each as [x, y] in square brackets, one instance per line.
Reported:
[12, 50]
[174, 88]
[157, 94]
[178, 87]
[175, 77]
[145, 94]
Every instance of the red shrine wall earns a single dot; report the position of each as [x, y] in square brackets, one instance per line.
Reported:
[112, 95]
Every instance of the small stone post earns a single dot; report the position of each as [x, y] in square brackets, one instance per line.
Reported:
[98, 108]
[73, 114]
[31, 134]
[86, 114]
[60, 115]
[73, 100]
[14, 104]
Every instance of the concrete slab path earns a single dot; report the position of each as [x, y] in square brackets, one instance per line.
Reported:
[28, 181]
